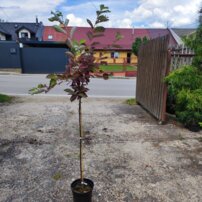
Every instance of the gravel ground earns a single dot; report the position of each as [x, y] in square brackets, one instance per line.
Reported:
[127, 154]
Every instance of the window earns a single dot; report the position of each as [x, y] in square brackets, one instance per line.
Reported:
[114, 54]
[50, 36]
[24, 35]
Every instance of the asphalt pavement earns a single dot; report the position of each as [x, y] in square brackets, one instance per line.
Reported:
[21, 83]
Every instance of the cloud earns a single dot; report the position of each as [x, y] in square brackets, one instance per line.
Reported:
[27, 10]
[88, 8]
[76, 21]
[157, 25]
[142, 13]
[125, 22]
[176, 13]
[126, 13]
[139, 14]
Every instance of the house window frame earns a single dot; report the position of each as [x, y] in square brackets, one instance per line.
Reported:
[50, 37]
[24, 31]
[115, 54]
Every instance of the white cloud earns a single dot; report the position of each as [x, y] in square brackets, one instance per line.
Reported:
[164, 15]
[27, 10]
[139, 14]
[125, 13]
[180, 22]
[158, 13]
[76, 21]
[157, 25]
[126, 23]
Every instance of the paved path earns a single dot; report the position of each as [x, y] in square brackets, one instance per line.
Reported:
[20, 85]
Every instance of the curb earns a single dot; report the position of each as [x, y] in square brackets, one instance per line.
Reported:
[9, 73]
[20, 74]
[120, 77]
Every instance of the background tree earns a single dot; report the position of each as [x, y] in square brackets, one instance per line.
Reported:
[137, 43]
[198, 44]
[194, 41]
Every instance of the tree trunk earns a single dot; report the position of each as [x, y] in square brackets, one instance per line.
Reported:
[81, 142]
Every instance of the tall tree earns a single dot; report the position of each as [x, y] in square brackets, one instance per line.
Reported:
[137, 43]
[194, 41]
[198, 44]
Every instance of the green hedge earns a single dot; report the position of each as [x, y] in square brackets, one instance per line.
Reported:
[185, 96]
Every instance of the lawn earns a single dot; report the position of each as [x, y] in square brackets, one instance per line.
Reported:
[117, 68]
[5, 98]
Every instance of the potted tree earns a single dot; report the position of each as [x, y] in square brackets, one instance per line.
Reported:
[80, 68]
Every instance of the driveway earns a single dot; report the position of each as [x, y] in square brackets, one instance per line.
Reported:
[128, 155]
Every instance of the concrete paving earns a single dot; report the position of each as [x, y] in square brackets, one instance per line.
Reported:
[128, 155]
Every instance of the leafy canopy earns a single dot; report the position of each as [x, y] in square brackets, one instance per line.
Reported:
[81, 61]
[194, 41]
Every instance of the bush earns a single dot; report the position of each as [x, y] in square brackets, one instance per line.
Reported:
[187, 77]
[5, 98]
[185, 96]
[189, 108]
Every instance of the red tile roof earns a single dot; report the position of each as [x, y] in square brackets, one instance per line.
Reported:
[109, 36]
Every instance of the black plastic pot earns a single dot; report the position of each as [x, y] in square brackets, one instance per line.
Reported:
[82, 196]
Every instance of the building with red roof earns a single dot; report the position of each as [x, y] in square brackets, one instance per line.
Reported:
[119, 55]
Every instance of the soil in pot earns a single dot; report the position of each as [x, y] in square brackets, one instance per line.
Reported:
[82, 191]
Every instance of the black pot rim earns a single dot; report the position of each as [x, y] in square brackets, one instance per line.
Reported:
[88, 181]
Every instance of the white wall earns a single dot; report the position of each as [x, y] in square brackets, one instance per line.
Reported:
[2, 37]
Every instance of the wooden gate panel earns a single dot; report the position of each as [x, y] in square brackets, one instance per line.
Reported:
[153, 65]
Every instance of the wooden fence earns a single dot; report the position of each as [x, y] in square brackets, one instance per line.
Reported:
[181, 55]
[153, 66]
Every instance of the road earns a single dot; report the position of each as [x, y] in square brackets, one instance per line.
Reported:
[20, 85]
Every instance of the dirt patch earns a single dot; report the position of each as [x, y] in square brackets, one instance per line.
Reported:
[127, 154]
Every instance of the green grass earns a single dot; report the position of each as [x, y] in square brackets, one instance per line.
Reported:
[5, 98]
[131, 101]
[116, 68]
[57, 176]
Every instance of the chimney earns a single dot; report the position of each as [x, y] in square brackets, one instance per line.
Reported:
[37, 21]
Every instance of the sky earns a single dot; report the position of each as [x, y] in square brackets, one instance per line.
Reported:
[124, 13]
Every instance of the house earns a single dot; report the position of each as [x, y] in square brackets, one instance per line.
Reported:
[115, 55]
[18, 31]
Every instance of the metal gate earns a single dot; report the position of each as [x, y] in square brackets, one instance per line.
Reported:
[43, 57]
